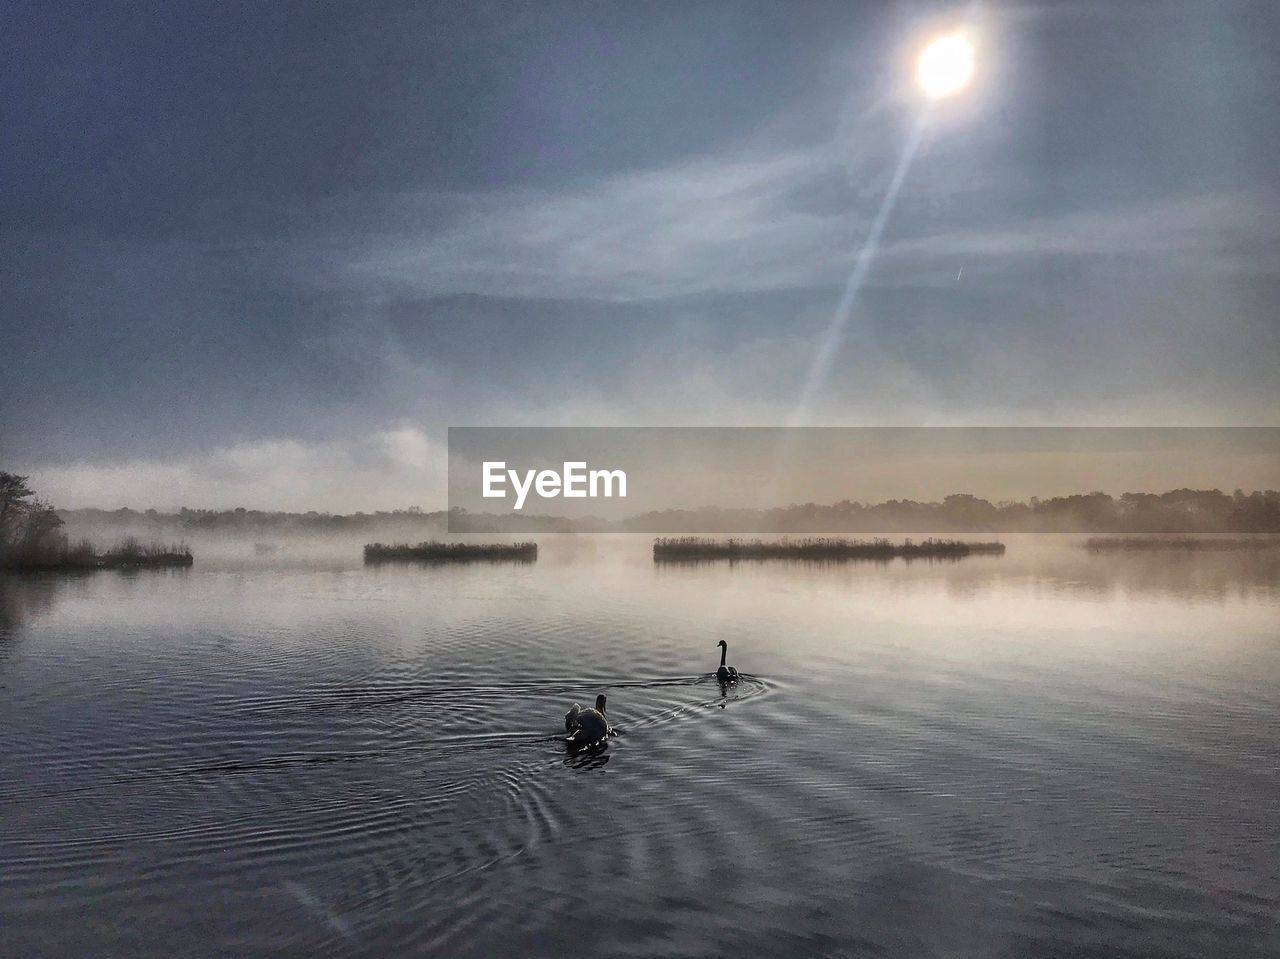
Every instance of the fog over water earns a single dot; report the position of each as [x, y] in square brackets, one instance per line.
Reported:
[1050, 752]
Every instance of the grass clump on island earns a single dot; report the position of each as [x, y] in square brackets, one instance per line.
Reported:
[83, 555]
[685, 548]
[1109, 544]
[436, 552]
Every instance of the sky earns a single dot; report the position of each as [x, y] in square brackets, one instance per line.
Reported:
[263, 255]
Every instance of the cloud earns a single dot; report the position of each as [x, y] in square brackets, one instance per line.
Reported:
[1229, 232]
[714, 225]
[794, 219]
[396, 467]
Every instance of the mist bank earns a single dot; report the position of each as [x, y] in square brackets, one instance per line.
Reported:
[1175, 511]
[242, 524]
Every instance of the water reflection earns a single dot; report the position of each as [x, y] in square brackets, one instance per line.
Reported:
[1039, 563]
[595, 758]
[25, 596]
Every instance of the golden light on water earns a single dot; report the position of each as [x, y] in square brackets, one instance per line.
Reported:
[945, 65]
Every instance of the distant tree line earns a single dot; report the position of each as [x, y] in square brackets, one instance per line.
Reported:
[250, 522]
[1176, 511]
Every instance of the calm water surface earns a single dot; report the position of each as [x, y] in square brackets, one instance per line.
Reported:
[1042, 754]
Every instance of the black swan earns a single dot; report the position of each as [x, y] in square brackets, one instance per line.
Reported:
[587, 727]
[726, 674]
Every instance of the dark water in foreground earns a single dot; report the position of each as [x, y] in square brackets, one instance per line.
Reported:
[1042, 754]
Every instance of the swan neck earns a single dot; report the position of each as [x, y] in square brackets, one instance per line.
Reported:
[724, 652]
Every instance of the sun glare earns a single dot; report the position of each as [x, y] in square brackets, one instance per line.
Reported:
[945, 66]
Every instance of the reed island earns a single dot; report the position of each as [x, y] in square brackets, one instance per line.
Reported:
[1181, 544]
[438, 552]
[690, 548]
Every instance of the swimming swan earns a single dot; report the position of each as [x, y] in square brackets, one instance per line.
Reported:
[726, 674]
[587, 727]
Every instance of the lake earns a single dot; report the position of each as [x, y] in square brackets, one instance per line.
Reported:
[1045, 753]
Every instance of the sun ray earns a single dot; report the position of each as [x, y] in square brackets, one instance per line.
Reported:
[830, 342]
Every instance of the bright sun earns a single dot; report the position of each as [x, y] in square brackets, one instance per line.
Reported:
[945, 66]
